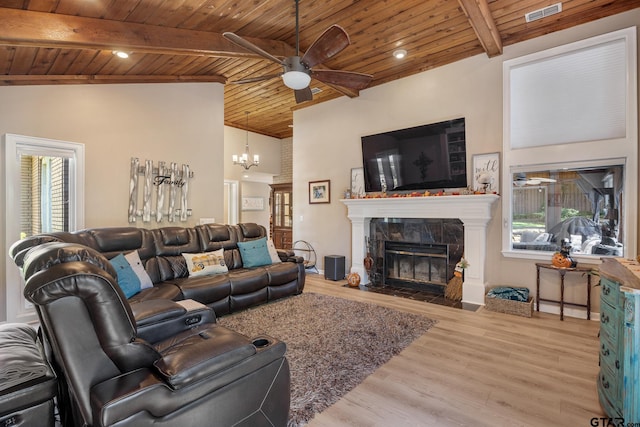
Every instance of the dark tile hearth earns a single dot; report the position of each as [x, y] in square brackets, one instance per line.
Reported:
[417, 295]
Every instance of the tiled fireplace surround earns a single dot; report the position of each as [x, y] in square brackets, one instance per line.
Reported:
[394, 215]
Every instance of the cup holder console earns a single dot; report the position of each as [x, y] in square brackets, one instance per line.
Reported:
[261, 342]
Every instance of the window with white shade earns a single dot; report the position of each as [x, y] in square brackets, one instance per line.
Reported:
[570, 147]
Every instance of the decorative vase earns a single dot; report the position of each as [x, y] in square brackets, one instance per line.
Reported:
[353, 279]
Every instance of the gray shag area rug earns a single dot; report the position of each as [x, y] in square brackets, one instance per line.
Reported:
[333, 344]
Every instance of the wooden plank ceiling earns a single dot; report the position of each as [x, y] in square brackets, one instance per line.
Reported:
[72, 42]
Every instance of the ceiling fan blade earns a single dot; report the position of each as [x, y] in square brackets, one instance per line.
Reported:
[539, 179]
[331, 42]
[303, 95]
[256, 79]
[233, 38]
[348, 79]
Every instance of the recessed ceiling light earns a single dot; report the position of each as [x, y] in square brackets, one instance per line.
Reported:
[121, 54]
[400, 53]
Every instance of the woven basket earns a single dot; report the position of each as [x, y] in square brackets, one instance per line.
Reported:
[524, 309]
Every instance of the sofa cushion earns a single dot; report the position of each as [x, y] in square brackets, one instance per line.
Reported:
[127, 278]
[206, 263]
[205, 289]
[254, 253]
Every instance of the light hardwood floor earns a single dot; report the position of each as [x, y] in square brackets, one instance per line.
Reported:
[475, 369]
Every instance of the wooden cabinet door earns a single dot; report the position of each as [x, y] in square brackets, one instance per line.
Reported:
[282, 215]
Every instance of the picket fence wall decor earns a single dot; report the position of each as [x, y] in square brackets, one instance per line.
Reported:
[168, 183]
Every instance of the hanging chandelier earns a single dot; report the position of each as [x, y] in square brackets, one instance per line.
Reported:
[243, 159]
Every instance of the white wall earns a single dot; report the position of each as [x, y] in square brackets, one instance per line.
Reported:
[326, 140]
[180, 122]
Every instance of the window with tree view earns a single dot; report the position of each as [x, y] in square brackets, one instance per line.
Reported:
[582, 206]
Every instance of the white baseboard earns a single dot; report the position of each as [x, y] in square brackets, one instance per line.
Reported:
[569, 311]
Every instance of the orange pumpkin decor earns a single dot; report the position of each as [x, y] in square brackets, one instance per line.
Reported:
[561, 260]
[353, 279]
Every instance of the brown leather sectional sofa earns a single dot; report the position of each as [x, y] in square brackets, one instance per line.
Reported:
[153, 359]
[160, 252]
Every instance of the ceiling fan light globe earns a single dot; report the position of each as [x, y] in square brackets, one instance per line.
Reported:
[296, 80]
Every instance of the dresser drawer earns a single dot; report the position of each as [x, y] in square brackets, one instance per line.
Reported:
[609, 322]
[609, 357]
[610, 292]
[608, 383]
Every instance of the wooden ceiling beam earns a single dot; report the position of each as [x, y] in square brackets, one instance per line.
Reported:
[17, 80]
[479, 16]
[39, 29]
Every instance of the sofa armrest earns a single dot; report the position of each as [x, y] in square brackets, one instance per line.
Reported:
[287, 255]
[159, 319]
[201, 353]
[284, 254]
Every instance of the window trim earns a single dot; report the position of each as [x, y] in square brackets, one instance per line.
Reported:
[14, 147]
[576, 154]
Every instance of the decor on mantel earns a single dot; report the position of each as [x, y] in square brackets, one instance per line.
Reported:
[165, 179]
[243, 159]
[486, 173]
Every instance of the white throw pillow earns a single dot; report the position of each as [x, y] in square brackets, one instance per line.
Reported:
[273, 252]
[206, 263]
[133, 258]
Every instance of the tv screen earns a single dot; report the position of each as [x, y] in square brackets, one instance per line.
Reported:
[427, 157]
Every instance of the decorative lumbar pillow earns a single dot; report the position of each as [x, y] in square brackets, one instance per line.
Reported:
[206, 263]
[254, 253]
[273, 252]
[127, 278]
[134, 261]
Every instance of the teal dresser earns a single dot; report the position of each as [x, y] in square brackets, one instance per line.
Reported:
[619, 378]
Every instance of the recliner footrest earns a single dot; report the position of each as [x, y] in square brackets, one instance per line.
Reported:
[201, 352]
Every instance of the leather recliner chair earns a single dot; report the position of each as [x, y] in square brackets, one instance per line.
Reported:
[189, 371]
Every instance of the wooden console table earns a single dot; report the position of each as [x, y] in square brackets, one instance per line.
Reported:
[562, 272]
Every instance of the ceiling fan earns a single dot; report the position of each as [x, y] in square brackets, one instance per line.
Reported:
[298, 71]
[520, 180]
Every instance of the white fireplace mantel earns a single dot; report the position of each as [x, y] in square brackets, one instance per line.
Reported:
[475, 212]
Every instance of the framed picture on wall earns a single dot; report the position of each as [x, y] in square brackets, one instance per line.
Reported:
[486, 172]
[320, 191]
[253, 203]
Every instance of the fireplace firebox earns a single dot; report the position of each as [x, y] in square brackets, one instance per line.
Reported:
[415, 265]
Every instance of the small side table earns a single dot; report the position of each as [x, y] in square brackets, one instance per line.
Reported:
[562, 272]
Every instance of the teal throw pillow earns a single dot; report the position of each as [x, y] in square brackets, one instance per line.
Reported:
[254, 253]
[127, 278]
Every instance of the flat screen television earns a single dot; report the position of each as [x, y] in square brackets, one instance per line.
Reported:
[427, 157]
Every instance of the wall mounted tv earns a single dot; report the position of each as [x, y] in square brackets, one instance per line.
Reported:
[427, 157]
